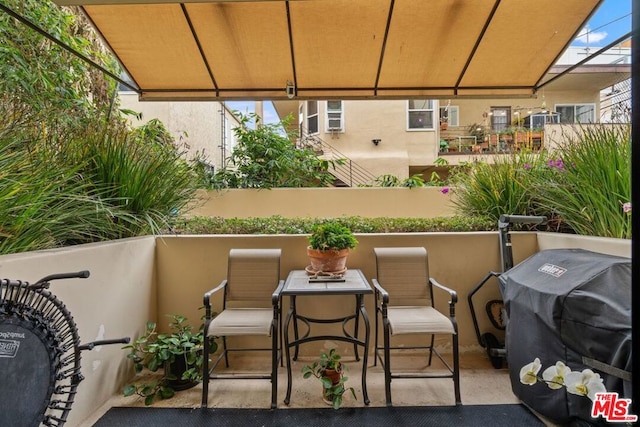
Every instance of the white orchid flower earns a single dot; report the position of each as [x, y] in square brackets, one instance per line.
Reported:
[555, 375]
[529, 373]
[585, 383]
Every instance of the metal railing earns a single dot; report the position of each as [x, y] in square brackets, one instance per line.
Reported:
[347, 172]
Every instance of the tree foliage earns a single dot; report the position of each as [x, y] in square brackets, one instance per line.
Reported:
[42, 83]
[70, 171]
[265, 158]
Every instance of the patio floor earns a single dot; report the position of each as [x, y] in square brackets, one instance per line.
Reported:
[480, 384]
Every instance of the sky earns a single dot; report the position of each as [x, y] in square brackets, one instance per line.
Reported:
[611, 21]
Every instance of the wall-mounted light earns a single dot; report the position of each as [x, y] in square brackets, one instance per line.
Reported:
[375, 141]
[290, 89]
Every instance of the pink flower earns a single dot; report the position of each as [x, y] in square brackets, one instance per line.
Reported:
[556, 164]
[445, 190]
[626, 207]
[527, 166]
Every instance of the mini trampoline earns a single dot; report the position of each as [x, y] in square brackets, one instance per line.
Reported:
[39, 353]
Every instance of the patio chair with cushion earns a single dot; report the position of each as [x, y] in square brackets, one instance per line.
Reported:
[405, 305]
[250, 307]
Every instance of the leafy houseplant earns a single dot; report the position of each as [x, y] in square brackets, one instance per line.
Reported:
[330, 371]
[328, 248]
[178, 353]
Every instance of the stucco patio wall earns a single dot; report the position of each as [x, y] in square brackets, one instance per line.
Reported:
[188, 266]
[422, 202]
[114, 302]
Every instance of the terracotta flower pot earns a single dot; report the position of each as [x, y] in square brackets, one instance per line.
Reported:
[334, 376]
[327, 261]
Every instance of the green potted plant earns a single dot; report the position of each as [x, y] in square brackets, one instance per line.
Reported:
[178, 354]
[329, 245]
[330, 371]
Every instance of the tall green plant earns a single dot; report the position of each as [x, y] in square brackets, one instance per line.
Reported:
[490, 190]
[141, 173]
[588, 182]
[68, 173]
[45, 205]
[265, 158]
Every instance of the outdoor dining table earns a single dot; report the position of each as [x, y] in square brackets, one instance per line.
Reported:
[300, 283]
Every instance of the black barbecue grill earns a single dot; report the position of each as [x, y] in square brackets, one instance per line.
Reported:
[39, 353]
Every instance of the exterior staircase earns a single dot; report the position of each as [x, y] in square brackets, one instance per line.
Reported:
[345, 171]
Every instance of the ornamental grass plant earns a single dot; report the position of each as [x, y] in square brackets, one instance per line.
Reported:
[583, 185]
[587, 182]
[504, 187]
[101, 182]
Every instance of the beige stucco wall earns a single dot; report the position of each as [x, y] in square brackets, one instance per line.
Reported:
[617, 247]
[423, 202]
[196, 126]
[400, 149]
[188, 266]
[114, 302]
[386, 121]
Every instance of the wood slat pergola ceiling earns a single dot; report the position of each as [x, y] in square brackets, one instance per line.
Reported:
[348, 49]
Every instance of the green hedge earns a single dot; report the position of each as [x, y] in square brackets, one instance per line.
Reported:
[281, 225]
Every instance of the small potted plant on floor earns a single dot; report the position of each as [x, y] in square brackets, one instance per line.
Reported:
[329, 246]
[330, 371]
[178, 354]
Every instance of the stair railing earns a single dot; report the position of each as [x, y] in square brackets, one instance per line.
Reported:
[344, 169]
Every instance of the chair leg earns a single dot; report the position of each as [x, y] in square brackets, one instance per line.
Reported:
[387, 365]
[456, 370]
[375, 346]
[274, 367]
[205, 372]
[433, 337]
[281, 332]
[226, 353]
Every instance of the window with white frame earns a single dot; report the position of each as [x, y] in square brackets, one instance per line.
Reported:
[420, 114]
[312, 117]
[576, 113]
[449, 114]
[334, 120]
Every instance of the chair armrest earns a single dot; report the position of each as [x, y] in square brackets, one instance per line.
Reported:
[380, 290]
[453, 294]
[275, 297]
[207, 298]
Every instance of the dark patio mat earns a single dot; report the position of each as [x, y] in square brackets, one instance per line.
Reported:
[450, 416]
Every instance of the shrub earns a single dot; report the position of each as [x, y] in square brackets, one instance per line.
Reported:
[141, 173]
[588, 182]
[500, 188]
[265, 158]
[583, 186]
[280, 225]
